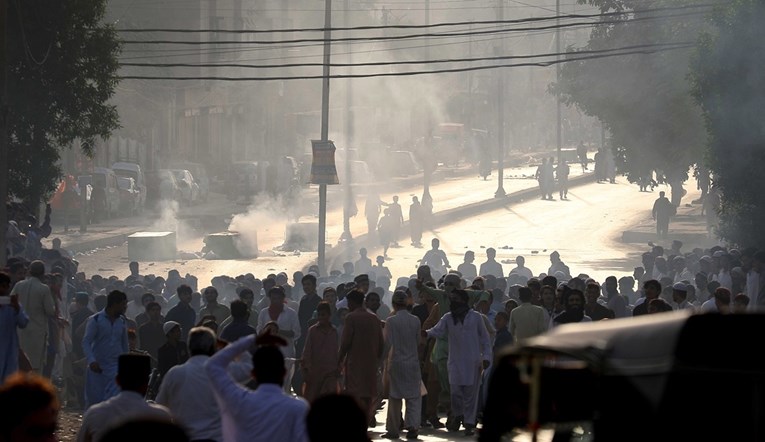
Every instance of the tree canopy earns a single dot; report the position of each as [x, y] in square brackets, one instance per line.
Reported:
[62, 62]
[643, 100]
[730, 87]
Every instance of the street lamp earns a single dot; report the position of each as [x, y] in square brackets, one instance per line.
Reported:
[499, 51]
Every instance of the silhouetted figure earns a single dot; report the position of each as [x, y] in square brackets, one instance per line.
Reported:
[398, 220]
[562, 172]
[581, 152]
[662, 212]
[415, 222]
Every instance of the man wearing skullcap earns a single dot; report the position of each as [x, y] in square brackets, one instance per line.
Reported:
[129, 405]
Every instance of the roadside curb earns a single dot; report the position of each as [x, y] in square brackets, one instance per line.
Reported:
[398, 184]
[340, 253]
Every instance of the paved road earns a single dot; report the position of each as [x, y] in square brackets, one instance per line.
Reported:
[585, 230]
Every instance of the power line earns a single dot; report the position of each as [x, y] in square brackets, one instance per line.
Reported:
[419, 26]
[392, 63]
[407, 36]
[382, 27]
[365, 51]
[407, 74]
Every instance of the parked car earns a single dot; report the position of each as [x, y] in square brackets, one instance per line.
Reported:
[130, 196]
[360, 172]
[133, 170]
[199, 172]
[247, 179]
[188, 186]
[403, 163]
[105, 180]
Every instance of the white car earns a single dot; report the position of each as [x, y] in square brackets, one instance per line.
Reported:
[190, 193]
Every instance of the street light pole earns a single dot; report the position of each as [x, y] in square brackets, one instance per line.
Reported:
[557, 79]
[324, 133]
[347, 236]
[427, 169]
[500, 111]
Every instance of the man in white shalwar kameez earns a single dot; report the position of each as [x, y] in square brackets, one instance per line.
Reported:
[469, 353]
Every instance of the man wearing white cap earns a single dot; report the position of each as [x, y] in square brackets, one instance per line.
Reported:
[174, 352]
[680, 295]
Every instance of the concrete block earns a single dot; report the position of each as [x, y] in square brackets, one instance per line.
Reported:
[152, 246]
[230, 245]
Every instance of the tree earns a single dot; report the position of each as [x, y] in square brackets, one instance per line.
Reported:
[644, 99]
[730, 87]
[62, 64]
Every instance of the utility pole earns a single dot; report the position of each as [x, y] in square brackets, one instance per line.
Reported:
[500, 51]
[347, 236]
[427, 200]
[3, 129]
[324, 133]
[557, 79]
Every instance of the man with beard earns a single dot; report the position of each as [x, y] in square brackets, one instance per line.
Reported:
[469, 353]
[574, 312]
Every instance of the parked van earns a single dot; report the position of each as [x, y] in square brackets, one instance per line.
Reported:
[106, 180]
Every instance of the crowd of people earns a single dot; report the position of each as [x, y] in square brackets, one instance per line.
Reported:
[247, 358]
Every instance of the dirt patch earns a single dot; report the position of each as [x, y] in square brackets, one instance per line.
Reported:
[69, 422]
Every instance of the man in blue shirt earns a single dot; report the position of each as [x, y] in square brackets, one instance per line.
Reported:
[105, 340]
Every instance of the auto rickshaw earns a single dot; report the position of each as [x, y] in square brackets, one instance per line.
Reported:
[666, 377]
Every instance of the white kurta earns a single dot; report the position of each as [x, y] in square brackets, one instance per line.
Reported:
[402, 333]
[469, 346]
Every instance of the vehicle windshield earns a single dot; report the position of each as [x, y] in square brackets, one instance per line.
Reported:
[178, 174]
[127, 173]
[123, 183]
[196, 170]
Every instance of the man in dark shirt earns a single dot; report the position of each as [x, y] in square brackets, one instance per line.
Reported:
[151, 334]
[174, 352]
[595, 311]
[308, 304]
[239, 326]
[183, 313]
[143, 318]
[503, 338]
[652, 289]
[78, 319]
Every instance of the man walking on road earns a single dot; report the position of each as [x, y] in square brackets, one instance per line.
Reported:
[662, 211]
[361, 348]
[183, 313]
[527, 320]
[187, 392]
[37, 300]
[402, 333]
[469, 353]
[105, 340]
